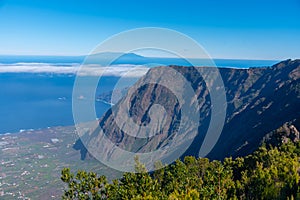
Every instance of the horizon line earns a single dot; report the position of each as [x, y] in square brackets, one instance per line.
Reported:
[217, 58]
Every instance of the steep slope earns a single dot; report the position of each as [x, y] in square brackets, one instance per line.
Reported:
[259, 100]
[272, 100]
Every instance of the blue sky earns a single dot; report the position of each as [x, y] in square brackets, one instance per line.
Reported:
[248, 29]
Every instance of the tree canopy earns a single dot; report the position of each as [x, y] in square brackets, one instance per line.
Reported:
[268, 173]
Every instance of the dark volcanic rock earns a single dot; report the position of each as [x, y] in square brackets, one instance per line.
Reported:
[259, 100]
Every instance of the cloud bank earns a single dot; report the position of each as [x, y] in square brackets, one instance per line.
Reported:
[75, 68]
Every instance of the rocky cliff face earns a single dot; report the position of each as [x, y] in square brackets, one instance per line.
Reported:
[288, 132]
[259, 100]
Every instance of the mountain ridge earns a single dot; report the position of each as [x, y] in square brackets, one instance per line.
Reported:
[259, 101]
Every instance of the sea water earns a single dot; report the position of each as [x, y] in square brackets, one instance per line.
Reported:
[32, 101]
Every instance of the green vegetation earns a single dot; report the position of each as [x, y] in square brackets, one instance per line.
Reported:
[268, 173]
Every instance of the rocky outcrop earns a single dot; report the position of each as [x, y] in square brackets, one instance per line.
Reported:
[289, 132]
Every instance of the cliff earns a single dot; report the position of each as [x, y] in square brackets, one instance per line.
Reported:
[259, 101]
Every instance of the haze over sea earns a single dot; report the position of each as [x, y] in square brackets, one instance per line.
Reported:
[36, 91]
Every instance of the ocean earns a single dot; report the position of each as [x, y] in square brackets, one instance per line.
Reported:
[36, 92]
[32, 101]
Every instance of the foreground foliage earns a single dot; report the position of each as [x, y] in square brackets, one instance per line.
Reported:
[268, 173]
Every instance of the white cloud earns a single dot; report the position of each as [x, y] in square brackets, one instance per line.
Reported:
[74, 68]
